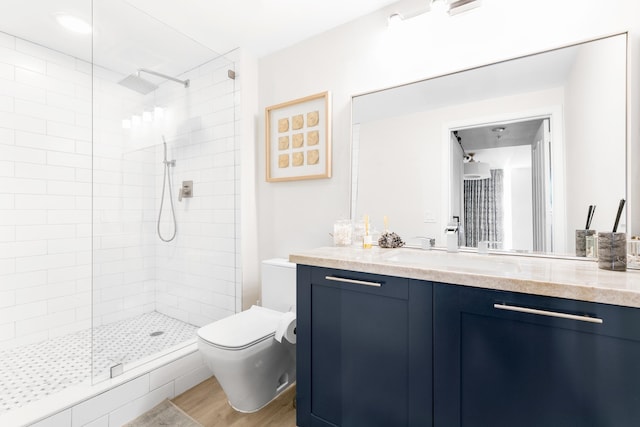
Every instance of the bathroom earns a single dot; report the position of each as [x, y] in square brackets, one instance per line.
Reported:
[267, 219]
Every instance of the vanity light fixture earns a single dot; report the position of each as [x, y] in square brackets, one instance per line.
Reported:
[73, 23]
[439, 6]
[394, 20]
[452, 7]
[459, 6]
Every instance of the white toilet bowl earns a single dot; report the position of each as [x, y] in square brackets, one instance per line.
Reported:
[250, 365]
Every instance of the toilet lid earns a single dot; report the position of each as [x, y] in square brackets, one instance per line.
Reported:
[242, 329]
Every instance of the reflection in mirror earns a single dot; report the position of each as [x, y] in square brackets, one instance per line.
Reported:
[505, 192]
[551, 127]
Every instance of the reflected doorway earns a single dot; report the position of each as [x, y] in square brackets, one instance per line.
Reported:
[502, 184]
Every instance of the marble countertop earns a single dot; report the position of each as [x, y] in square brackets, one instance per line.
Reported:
[563, 278]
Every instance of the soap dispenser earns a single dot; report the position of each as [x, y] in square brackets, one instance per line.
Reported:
[451, 232]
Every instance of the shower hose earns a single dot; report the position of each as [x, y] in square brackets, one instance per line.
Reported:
[167, 178]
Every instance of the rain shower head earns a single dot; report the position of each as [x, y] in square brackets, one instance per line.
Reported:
[137, 83]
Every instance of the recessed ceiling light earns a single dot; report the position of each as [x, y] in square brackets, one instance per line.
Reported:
[73, 23]
[499, 129]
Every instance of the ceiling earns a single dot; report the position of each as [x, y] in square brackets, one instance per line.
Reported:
[490, 136]
[262, 26]
[172, 37]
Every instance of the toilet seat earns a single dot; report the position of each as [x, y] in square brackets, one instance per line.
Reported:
[241, 330]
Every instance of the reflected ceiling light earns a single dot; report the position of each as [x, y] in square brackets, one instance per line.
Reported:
[126, 124]
[147, 116]
[475, 170]
[158, 112]
[73, 23]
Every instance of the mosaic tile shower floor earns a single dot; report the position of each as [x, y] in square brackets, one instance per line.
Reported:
[35, 371]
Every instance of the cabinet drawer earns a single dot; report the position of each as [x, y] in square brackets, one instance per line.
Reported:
[387, 286]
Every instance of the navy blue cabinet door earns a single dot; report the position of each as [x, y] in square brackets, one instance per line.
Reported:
[354, 347]
[505, 359]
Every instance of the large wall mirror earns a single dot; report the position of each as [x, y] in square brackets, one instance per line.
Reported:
[517, 150]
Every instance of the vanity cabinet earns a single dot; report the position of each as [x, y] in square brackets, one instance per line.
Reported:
[363, 349]
[377, 350]
[508, 359]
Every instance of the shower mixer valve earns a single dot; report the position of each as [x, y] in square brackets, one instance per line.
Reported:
[186, 191]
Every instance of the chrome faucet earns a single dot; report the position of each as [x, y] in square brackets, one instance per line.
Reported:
[452, 233]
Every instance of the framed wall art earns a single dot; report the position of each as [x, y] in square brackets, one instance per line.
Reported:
[298, 139]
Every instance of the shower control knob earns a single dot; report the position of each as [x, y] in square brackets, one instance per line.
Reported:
[186, 191]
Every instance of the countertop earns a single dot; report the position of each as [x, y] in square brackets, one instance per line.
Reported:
[564, 278]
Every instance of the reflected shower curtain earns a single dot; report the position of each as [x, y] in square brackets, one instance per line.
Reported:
[483, 210]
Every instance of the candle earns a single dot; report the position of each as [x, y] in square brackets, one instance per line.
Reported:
[366, 240]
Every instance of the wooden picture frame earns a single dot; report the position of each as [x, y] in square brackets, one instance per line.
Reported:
[298, 139]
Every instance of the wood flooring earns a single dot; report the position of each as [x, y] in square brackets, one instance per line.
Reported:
[207, 404]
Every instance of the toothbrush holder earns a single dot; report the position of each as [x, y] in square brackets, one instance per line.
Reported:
[612, 251]
[581, 241]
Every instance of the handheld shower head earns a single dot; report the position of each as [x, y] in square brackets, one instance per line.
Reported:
[164, 142]
[165, 161]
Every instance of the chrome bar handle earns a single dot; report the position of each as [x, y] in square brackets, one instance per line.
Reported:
[353, 281]
[548, 313]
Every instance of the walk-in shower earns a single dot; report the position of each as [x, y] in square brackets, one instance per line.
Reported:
[89, 295]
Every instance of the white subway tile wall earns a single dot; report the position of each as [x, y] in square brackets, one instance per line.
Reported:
[44, 245]
[65, 157]
[196, 273]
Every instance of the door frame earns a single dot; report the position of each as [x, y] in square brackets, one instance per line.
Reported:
[555, 115]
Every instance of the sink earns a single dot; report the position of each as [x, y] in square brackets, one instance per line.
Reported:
[455, 262]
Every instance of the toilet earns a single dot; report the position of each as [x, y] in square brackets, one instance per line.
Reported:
[252, 367]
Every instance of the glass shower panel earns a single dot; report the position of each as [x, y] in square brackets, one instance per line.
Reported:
[164, 188]
[45, 200]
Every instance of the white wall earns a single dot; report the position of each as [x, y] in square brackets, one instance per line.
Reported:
[123, 196]
[45, 193]
[521, 209]
[196, 272]
[362, 56]
[583, 127]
